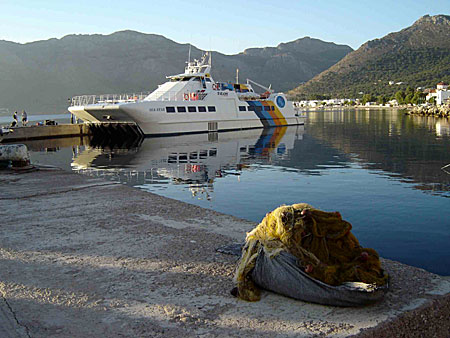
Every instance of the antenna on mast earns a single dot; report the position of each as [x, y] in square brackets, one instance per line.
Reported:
[237, 75]
[189, 56]
[210, 50]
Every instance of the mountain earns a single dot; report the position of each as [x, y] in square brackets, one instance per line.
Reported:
[42, 75]
[417, 56]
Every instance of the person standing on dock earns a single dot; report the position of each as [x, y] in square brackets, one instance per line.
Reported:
[14, 123]
[24, 118]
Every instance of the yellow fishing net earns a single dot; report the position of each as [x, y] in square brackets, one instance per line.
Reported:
[322, 242]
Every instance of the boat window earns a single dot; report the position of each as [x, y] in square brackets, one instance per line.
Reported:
[170, 109]
[213, 152]
[251, 108]
[258, 108]
[201, 109]
[227, 86]
[267, 108]
[181, 109]
[211, 108]
[208, 79]
[187, 78]
[172, 158]
[192, 109]
[272, 107]
[242, 108]
[182, 158]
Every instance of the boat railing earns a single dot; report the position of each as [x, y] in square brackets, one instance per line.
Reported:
[84, 100]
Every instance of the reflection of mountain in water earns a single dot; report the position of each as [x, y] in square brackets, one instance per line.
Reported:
[190, 159]
[402, 146]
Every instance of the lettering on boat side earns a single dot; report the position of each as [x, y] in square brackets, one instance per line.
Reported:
[156, 109]
[222, 93]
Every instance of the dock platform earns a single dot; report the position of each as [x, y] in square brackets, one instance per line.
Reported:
[85, 257]
[43, 132]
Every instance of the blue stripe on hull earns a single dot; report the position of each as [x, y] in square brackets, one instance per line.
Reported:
[263, 115]
[264, 140]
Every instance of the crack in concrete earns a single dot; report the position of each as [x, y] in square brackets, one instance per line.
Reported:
[27, 330]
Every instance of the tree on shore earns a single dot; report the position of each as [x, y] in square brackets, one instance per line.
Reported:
[409, 91]
[368, 98]
[418, 97]
[408, 98]
[400, 97]
[319, 97]
[381, 99]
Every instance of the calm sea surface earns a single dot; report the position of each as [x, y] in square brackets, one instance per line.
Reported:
[380, 169]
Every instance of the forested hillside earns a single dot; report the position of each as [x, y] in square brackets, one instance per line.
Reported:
[418, 56]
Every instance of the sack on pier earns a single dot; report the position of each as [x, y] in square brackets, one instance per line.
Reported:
[311, 255]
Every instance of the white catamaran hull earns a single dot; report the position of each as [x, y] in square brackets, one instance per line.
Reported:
[153, 118]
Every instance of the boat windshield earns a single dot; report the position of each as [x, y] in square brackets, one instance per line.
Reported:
[184, 78]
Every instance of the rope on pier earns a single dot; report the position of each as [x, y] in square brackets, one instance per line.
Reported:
[322, 243]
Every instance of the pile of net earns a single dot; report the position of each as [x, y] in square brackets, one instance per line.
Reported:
[309, 254]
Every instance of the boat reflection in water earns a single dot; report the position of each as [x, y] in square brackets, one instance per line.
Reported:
[196, 160]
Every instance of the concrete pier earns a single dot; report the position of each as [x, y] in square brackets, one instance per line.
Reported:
[83, 257]
[43, 132]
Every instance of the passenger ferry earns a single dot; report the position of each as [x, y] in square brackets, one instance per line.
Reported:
[191, 102]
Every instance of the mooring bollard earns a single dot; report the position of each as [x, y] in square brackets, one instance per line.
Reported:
[14, 154]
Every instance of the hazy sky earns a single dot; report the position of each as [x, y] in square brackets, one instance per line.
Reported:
[225, 26]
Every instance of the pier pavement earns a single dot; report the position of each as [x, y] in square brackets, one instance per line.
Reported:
[84, 257]
[44, 132]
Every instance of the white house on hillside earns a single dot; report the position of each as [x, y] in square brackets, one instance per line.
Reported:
[442, 86]
[442, 94]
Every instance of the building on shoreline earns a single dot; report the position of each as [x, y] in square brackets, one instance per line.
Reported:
[328, 102]
[341, 103]
[441, 93]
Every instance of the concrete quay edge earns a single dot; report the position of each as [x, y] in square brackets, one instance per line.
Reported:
[84, 257]
[44, 132]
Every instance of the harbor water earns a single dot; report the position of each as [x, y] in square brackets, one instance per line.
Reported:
[380, 168]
